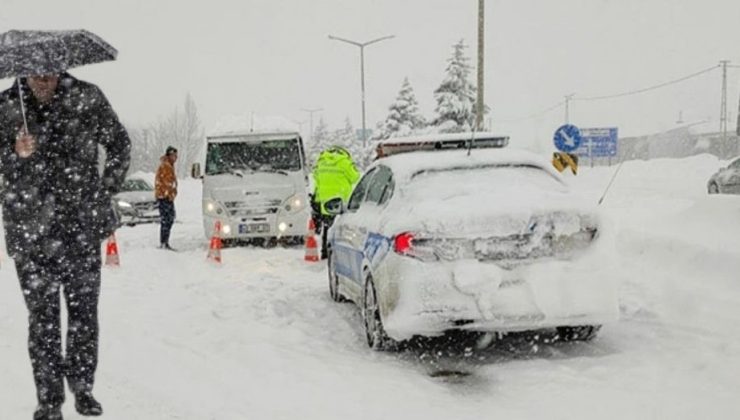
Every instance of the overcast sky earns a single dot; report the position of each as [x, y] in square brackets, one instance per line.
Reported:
[273, 57]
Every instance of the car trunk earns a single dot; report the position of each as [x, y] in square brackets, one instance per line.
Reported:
[505, 214]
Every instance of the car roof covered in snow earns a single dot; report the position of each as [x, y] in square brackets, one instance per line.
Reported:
[243, 125]
[238, 136]
[406, 165]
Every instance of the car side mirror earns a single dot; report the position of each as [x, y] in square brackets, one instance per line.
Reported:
[335, 206]
[195, 171]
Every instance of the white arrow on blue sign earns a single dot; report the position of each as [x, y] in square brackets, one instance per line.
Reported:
[567, 138]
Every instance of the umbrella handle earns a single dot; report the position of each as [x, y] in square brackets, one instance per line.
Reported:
[23, 108]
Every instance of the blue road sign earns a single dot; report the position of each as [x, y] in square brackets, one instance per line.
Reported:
[598, 142]
[567, 138]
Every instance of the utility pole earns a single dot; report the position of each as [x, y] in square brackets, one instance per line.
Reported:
[568, 98]
[723, 107]
[362, 46]
[480, 106]
[737, 130]
[310, 123]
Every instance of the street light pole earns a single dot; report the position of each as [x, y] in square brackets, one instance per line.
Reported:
[362, 46]
[362, 88]
[310, 119]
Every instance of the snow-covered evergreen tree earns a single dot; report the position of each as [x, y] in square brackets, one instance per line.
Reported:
[456, 95]
[403, 115]
[320, 140]
[347, 138]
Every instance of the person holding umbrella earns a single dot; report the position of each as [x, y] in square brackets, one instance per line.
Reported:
[57, 205]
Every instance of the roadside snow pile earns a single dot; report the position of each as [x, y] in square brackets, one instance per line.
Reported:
[673, 202]
[680, 245]
[677, 178]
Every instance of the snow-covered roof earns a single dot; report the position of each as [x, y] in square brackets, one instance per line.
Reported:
[251, 136]
[404, 166]
[248, 123]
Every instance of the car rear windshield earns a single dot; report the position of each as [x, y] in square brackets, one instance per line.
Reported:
[458, 181]
[135, 185]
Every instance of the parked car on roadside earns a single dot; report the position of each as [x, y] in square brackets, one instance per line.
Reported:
[726, 180]
[135, 203]
[491, 241]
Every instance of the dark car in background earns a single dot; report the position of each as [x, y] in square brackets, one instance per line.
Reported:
[136, 203]
[726, 180]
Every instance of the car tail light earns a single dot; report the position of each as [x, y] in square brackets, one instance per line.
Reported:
[411, 245]
[403, 242]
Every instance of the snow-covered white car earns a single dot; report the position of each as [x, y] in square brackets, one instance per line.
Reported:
[494, 241]
[726, 180]
[135, 203]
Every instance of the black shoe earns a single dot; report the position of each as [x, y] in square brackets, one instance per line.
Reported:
[87, 405]
[48, 412]
[167, 247]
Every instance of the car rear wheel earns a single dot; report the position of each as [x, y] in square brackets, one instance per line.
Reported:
[578, 333]
[334, 281]
[377, 339]
[713, 188]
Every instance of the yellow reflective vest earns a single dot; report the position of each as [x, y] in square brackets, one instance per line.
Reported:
[335, 175]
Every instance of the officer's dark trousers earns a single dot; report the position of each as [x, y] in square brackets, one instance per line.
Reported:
[167, 218]
[74, 270]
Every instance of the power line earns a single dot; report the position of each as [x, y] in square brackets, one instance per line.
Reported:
[647, 89]
[535, 115]
[618, 95]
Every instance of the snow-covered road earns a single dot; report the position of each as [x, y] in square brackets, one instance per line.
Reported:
[259, 337]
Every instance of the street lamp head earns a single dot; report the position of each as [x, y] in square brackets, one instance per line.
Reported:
[360, 44]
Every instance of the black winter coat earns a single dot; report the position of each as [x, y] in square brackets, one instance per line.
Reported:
[57, 198]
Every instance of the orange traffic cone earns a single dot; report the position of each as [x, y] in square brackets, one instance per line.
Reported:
[312, 247]
[111, 252]
[214, 250]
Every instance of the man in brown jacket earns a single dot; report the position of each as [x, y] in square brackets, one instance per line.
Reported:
[165, 188]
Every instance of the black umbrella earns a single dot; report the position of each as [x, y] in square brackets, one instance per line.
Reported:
[29, 53]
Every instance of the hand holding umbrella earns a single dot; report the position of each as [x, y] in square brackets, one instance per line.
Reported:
[25, 145]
